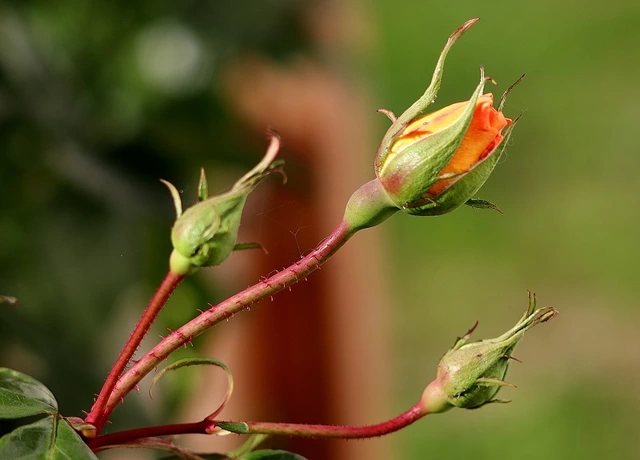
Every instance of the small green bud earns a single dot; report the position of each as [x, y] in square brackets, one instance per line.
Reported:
[205, 234]
[471, 374]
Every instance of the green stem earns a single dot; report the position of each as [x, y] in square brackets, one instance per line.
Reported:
[100, 411]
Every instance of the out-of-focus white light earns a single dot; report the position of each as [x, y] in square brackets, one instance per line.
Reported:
[171, 58]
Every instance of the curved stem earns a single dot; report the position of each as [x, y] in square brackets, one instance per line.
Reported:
[208, 426]
[339, 431]
[123, 437]
[226, 308]
[100, 412]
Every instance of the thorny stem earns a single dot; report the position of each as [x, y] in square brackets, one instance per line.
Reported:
[207, 426]
[225, 309]
[100, 410]
[339, 431]
[122, 437]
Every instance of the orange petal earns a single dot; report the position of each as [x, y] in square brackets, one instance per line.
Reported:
[428, 124]
[483, 135]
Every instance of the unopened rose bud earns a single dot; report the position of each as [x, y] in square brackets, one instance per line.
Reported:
[431, 164]
[205, 234]
[471, 374]
[440, 160]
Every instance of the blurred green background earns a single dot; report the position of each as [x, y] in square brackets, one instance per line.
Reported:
[100, 99]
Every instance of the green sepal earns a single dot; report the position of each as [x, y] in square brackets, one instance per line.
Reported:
[467, 185]
[203, 188]
[491, 401]
[493, 382]
[460, 341]
[417, 167]
[427, 98]
[175, 196]
[482, 204]
[205, 234]
[245, 246]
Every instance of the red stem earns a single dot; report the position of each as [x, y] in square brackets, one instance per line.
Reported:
[100, 411]
[123, 437]
[226, 308]
[283, 429]
[340, 431]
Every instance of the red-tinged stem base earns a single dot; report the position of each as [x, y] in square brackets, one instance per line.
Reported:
[100, 412]
[124, 437]
[339, 431]
[207, 426]
[225, 309]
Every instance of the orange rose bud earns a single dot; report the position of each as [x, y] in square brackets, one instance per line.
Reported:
[480, 140]
[430, 167]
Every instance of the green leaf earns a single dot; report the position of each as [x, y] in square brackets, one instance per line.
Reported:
[23, 396]
[267, 454]
[234, 427]
[249, 445]
[50, 438]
